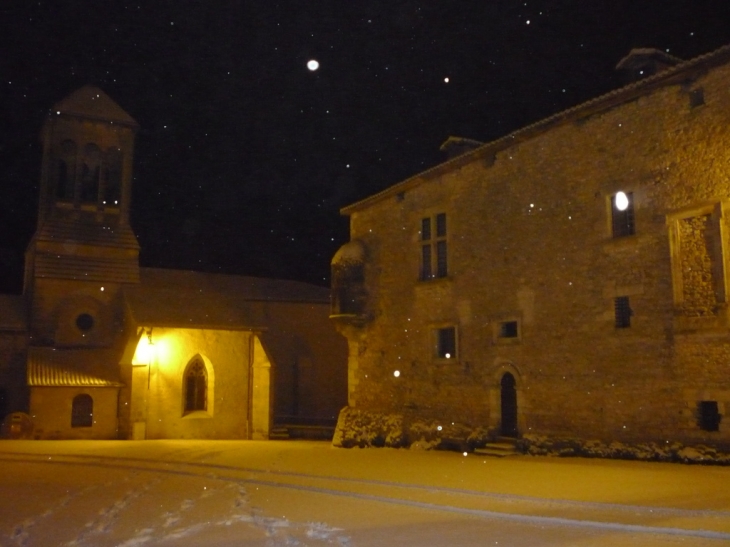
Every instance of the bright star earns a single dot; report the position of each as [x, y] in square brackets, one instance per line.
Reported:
[312, 65]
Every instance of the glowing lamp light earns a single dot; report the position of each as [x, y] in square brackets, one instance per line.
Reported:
[312, 65]
[448, 356]
[621, 200]
[396, 373]
[145, 350]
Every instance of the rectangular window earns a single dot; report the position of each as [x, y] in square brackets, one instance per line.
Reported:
[696, 97]
[622, 214]
[446, 343]
[708, 416]
[622, 311]
[508, 329]
[434, 261]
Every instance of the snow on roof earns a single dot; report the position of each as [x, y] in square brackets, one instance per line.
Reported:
[92, 103]
[178, 298]
[352, 251]
[601, 103]
[72, 367]
[13, 315]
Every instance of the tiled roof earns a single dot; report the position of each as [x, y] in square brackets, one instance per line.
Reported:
[49, 367]
[87, 268]
[671, 75]
[177, 298]
[86, 229]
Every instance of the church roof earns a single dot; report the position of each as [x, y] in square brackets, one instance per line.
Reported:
[50, 367]
[13, 314]
[177, 298]
[92, 103]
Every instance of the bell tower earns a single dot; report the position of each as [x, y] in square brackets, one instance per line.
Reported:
[83, 251]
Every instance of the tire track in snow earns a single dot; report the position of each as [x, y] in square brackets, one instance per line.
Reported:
[280, 532]
[107, 516]
[20, 534]
[558, 503]
[200, 469]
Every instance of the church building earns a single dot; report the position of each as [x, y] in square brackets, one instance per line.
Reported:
[570, 279]
[98, 347]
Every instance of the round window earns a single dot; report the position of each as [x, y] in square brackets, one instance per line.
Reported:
[85, 322]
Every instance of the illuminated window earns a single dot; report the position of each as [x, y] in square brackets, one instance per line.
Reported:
[196, 386]
[622, 312]
[433, 247]
[82, 411]
[446, 343]
[622, 214]
[708, 416]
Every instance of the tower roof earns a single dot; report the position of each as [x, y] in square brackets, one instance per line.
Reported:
[92, 103]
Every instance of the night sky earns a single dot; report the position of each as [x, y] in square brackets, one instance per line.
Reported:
[244, 156]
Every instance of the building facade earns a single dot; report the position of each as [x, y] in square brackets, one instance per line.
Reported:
[568, 279]
[98, 347]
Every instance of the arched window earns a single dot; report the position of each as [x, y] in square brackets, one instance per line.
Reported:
[82, 411]
[195, 384]
[112, 179]
[65, 175]
[90, 170]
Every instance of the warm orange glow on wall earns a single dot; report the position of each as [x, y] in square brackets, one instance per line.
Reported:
[161, 346]
[145, 352]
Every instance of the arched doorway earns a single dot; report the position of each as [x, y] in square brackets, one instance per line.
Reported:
[508, 397]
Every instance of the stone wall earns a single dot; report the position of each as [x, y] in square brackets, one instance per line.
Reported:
[529, 241]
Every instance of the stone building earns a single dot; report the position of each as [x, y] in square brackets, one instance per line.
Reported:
[98, 347]
[567, 279]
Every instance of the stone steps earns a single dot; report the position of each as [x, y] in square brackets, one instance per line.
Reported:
[279, 434]
[499, 448]
[311, 432]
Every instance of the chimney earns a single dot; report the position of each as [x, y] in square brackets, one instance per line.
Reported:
[641, 63]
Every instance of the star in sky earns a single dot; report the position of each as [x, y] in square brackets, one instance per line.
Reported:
[244, 159]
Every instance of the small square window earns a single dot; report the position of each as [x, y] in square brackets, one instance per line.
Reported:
[622, 214]
[696, 97]
[708, 416]
[622, 312]
[446, 343]
[508, 329]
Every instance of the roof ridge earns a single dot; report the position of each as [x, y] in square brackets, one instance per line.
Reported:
[615, 93]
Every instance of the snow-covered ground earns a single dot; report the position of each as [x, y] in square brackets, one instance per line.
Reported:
[221, 493]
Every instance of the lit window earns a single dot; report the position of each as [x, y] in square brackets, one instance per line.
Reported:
[446, 343]
[433, 247]
[82, 411]
[196, 386]
[622, 214]
[622, 311]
